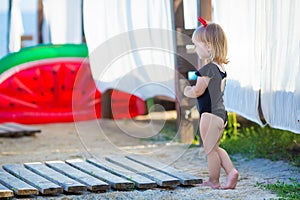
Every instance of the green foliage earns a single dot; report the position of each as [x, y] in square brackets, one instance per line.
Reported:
[254, 141]
[231, 130]
[284, 191]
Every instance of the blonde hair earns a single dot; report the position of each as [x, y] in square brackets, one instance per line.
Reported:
[215, 37]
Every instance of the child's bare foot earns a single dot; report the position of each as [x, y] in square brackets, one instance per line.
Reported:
[212, 185]
[232, 179]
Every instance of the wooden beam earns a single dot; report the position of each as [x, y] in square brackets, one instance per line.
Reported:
[115, 181]
[5, 192]
[140, 182]
[92, 183]
[18, 186]
[68, 184]
[16, 130]
[161, 179]
[43, 185]
[6, 131]
[184, 177]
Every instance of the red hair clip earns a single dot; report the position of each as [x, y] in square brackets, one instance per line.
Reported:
[202, 21]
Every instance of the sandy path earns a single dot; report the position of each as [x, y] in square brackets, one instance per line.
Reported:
[106, 137]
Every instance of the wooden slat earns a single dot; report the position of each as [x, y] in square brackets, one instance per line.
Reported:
[12, 129]
[43, 185]
[18, 186]
[92, 183]
[140, 182]
[27, 129]
[161, 179]
[115, 181]
[68, 184]
[6, 131]
[184, 177]
[5, 192]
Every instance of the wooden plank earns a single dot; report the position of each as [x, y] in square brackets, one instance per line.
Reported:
[184, 177]
[5, 192]
[68, 184]
[28, 130]
[12, 129]
[6, 131]
[18, 186]
[114, 181]
[92, 183]
[140, 182]
[161, 179]
[43, 185]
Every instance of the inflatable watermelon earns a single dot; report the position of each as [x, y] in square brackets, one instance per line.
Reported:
[124, 105]
[37, 85]
[53, 83]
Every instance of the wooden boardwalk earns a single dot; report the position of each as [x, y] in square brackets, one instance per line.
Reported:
[76, 176]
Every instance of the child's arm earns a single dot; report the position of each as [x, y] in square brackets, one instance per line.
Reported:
[198, 89]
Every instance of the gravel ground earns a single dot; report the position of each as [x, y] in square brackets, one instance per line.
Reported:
[84, 140]
[251, 172]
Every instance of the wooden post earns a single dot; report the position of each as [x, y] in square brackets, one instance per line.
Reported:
[185, 125]
[183, 104]
[206, 9]
[106, 105]
[40, 21]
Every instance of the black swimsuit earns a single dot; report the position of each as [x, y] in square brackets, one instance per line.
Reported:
[211, 100]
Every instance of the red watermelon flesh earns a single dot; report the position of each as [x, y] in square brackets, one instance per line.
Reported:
[44, 92]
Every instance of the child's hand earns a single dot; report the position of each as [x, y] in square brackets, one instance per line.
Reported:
[186, 89]
[188, 92]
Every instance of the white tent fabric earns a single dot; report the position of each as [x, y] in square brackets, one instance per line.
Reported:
[62, 21]
[16, 27]
[131, 46]
[238, 20]
[280, 98]
[264, 51]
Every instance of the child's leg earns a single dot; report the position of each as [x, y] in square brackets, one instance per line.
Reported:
[225, 160]
[214, 167]
[232, 173]
[210, 127]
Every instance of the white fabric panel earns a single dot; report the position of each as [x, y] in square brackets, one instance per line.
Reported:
[16, 27]
[129, 47]
[281, 70]
[239, 21]
[63, 19]
[190, 12]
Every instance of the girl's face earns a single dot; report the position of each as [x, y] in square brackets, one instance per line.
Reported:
[202, 50]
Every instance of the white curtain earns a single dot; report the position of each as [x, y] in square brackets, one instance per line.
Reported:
[131, 46]
[16, 27]
[238, 19]
[191, 13]
[62, 21]
[264, 51]
[280, 97]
